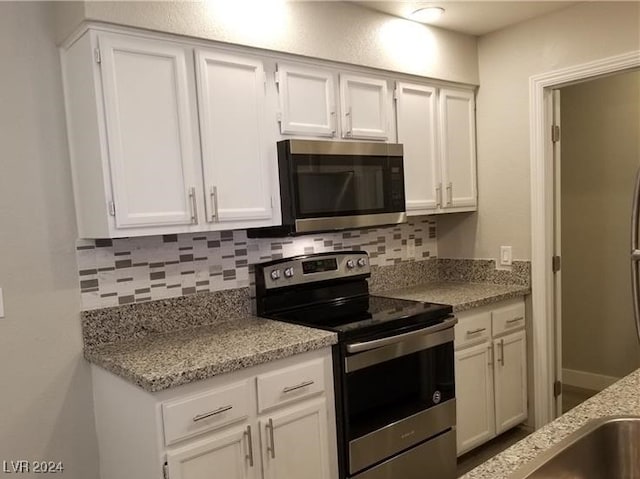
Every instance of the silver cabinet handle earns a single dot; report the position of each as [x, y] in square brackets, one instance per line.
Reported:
[349, 122]
[490, 348]
[194, 207]
[501, 358]
[439, 195]
[213, 193]
[249, 446]
[450, 194]
[271, 449]
[299, 386]
[515, 320]
[475, 331]
[333, 123]
[206, 415]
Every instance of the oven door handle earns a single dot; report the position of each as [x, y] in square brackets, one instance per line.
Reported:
[398, 338]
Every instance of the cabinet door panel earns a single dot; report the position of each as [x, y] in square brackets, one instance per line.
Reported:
[458, 143]
[364, 104]
[307, 101]
[511, 380]
[475, 420]
[232, 117]
[222, 455]
[300, 440]
[416, 114]
[152, 152]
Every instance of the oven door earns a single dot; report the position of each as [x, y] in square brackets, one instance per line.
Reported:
[398, 392]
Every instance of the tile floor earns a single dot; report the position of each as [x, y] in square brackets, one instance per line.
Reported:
[572, 396]
[480, 454]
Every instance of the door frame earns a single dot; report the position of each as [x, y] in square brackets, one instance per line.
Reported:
[542, 217]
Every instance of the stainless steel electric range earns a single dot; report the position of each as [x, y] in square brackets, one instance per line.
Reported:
[393, 364]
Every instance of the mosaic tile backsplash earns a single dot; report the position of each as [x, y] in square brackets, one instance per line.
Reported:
[134, 270]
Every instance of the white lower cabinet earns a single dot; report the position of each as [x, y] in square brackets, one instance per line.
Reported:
[294, 442]
[227, 453]
[490, 372]
[220, 427]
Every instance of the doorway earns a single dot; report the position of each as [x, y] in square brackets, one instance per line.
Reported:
[599, 154]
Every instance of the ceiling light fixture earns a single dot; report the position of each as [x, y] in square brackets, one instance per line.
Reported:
[427, 14]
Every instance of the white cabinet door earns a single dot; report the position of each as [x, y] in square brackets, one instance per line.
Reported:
[475, 420]
[416, 115]
[237, 177]
[307, 101]
[458, 145]
[295, 443]
[510, 380]
[226, 455]
[149, 97]
[364, 105]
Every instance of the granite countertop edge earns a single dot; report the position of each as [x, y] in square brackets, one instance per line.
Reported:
[114, 358]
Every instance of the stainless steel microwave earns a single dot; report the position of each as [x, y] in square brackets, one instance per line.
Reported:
[330, 185]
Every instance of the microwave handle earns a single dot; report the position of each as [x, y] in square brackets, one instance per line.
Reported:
[376, 343]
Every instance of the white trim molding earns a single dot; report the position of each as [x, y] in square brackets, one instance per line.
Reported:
[587, 380]
[542, 280]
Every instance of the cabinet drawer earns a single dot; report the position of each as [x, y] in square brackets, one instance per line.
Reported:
[508, 318]
[473, 329]
[187, 417]
[290, 384]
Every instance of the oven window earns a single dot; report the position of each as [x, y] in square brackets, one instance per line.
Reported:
[392, 390]
[340, 185]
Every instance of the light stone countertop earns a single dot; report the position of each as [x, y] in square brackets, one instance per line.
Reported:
[620, 399]
[162, 361]
[461, 296]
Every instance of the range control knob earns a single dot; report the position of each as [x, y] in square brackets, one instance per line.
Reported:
[275, 274]
[288, 272]
[350, 264]
[362, 262]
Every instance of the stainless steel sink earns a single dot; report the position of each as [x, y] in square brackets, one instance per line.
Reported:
[607, 448]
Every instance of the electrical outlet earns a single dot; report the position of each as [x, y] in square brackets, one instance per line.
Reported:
[411, 248]
[1, 304]
[505, 256]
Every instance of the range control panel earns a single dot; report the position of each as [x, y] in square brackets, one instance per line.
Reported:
[313, 268]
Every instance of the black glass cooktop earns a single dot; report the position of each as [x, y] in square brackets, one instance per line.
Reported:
[366, 315]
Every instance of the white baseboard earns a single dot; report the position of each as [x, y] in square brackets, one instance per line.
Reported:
[586, 380]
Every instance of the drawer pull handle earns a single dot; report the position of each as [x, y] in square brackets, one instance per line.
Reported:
[250, 444]
[515, 320]
[206, 415]
[299, 386]
[475, 331]
[271, 449]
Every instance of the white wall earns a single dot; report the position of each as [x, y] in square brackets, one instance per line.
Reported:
[46, 408]
[600, 155]
[507, 58]
[321, 29]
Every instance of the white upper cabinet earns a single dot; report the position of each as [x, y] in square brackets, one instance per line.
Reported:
[437, 128]
[307, 101]
[364, 103]
[458, 143]
[416, 117]
[147, 91]
[231, 101]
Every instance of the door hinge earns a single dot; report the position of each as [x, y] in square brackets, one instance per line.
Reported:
[165, 471]
[276, 76]
[557, 388]
[555, 133]
[279, 116]
[97, 56]
[555, 263]
[112, 208]
[395, 94]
